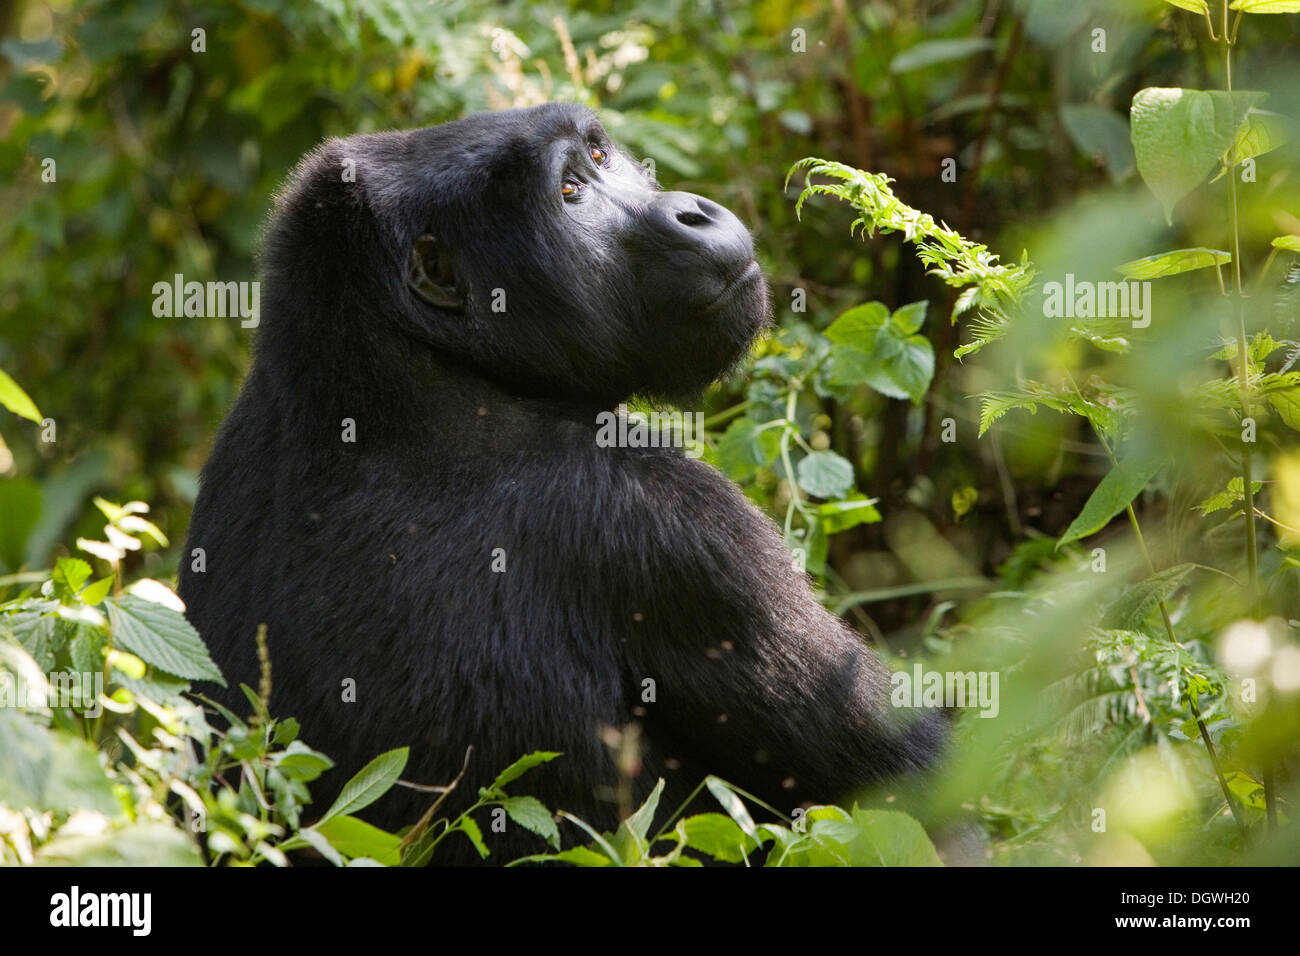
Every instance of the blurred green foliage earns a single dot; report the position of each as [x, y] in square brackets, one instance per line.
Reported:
[144, 139]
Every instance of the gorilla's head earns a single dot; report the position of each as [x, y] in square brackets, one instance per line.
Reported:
[524, 244]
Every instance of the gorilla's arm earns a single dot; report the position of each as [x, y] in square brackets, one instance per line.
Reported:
[751, 673]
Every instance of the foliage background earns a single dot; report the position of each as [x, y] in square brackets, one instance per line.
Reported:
[167, 158]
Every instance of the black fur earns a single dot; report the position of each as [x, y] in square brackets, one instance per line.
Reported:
[475, 430]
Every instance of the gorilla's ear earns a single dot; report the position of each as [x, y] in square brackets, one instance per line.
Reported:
[429, 275]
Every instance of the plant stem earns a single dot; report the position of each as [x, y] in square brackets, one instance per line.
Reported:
[1243, 371]
[1191, 692]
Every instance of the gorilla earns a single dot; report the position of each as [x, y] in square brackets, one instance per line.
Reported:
[410, 495]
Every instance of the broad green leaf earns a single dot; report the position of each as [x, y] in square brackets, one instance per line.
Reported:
[1290, 243]
[1100, 131]
[300, 762]
[1266, 6]
[1287, 405]
[825, 474]
[96, 592]
[15, 399]
[1172, 263]
[930, 52]
[745, 447]
[1195, 6]
[1115, 492]
[161, 637]
[856, 509]
[883, 352]
[719, 836]
[69, 576]
[368, 784]
[286, 731]
[355, 838]
[891, 838]
[866, 838]
[1262, 132]
[531, 814]
[909, 318]
[1180, 135]
[522, 766]
[858, 326]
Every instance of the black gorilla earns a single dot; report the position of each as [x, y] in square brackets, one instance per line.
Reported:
[446, 312]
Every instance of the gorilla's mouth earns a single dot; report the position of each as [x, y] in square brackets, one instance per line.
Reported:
[733, 285]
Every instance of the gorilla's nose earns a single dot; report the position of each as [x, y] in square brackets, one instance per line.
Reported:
[688, 220]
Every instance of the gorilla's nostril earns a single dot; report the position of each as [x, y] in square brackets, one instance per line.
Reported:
[692, 219]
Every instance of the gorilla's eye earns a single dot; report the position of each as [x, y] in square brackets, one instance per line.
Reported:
[570, 187]
[598, 154]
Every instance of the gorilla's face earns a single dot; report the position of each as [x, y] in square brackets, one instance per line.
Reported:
[534, 249]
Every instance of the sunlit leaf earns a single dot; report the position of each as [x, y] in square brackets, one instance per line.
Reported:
[1172, 263]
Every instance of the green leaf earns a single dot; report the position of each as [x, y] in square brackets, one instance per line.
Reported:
[882, 351]
[745, 447]
[286, 731]
[930, 52]
[15, 399]
[1262, 132]
[1130, 610]
[1287, 405]
[369, 784]
[1266, 6]
[161, 637]
[963, 499]
[908, 319]
[96, 592]
[467, 826]
[825, 474]
[1115, 493]
[354, 838]
[1195, 6]
[69, 576]
[1290, 243]
[321, 845]
[1180, 135]
[522, 766]
[719, 836]
[639, 822]
[859, 325]
[856, 509]
[731, 802]
[300, 762]
[890, 837]
[1172, 263]
[577, 855]
[1229, 496]
[1099, 131]
[531, 814]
